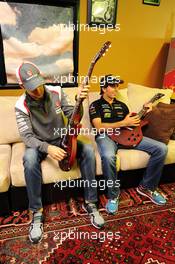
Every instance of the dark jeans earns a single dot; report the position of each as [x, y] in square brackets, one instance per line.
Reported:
[108, 149]
[33, 176]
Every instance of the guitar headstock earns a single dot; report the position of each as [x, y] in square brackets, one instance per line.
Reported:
[102, 51]
[158, 96]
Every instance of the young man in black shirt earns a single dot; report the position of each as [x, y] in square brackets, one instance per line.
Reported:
[107, 113]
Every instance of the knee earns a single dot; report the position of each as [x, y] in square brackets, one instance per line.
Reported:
[109, 158]
[88, 151]
[30, 158]
[163, 149]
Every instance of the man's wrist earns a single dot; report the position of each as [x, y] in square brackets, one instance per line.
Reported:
[121, 123]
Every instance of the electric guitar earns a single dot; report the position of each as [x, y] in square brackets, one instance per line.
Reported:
[69, 142]
[131, 136]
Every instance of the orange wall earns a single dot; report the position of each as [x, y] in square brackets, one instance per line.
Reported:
[139, 50]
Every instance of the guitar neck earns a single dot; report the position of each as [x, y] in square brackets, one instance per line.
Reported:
[143, 111]
[79, 101]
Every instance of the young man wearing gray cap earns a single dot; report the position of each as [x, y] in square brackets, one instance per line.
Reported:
[38, 112]
[107, 112]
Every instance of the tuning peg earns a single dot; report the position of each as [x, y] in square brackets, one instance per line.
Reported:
[103, 54]
[107, 49]
[110, 46]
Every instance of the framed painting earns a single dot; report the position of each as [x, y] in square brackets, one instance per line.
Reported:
[42, 33]
[152, 2]
[102, 12]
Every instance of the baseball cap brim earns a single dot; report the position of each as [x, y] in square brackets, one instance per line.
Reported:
[110, 80]
[32, 84]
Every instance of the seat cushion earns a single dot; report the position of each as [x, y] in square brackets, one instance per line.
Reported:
[131, 159]
[5, 158]
[170, 158]
[50, 170]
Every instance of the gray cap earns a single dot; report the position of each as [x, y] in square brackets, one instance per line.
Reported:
[29, 76]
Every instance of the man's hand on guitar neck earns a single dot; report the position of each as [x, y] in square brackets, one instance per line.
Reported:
[82, 91]
[131, 120]
[148, 107]
[56, 152]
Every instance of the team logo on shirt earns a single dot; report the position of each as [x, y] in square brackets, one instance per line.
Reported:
[57, 107]
[105, 106]
[106, 110]
[107, 115]
[92, 109]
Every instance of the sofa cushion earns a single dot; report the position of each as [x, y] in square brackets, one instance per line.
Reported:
[139, 94]
[131, 159]
[9, 131]
[170, 158]
[161, 122]
[50, 170]
[5, 157]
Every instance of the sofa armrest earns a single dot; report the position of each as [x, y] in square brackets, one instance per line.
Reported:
[5, 159]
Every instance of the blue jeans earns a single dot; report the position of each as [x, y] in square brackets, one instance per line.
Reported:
[33, 176]
[108, 149]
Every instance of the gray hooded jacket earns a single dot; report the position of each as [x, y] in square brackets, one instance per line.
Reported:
[40, 121]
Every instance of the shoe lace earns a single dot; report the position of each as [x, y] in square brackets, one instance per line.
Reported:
[113, 201]
[155, 193]
[37, 219]
[36, 225]
[93, 208]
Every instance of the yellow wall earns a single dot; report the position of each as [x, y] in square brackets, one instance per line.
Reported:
[139, 50]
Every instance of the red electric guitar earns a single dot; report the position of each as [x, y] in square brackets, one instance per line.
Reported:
[131, 136]
[69, 142]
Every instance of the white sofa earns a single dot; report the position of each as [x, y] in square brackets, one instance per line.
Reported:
[12, 149]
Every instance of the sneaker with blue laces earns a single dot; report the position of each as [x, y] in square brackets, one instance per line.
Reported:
[155, 196]
[95, 217]
[36, 228]
[112, 206]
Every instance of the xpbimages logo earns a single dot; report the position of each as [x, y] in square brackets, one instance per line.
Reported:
[73, 234]
[86, 131]
[100, 28]
[102, 184]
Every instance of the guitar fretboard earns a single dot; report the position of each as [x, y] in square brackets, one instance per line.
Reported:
[79, 100]
[143, 111]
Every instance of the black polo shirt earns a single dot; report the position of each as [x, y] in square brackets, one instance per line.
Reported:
[109, 113]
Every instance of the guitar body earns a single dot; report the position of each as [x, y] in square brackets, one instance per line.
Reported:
[70, 146]
[129, 136]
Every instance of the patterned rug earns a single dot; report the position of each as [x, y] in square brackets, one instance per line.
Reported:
[141, 232]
